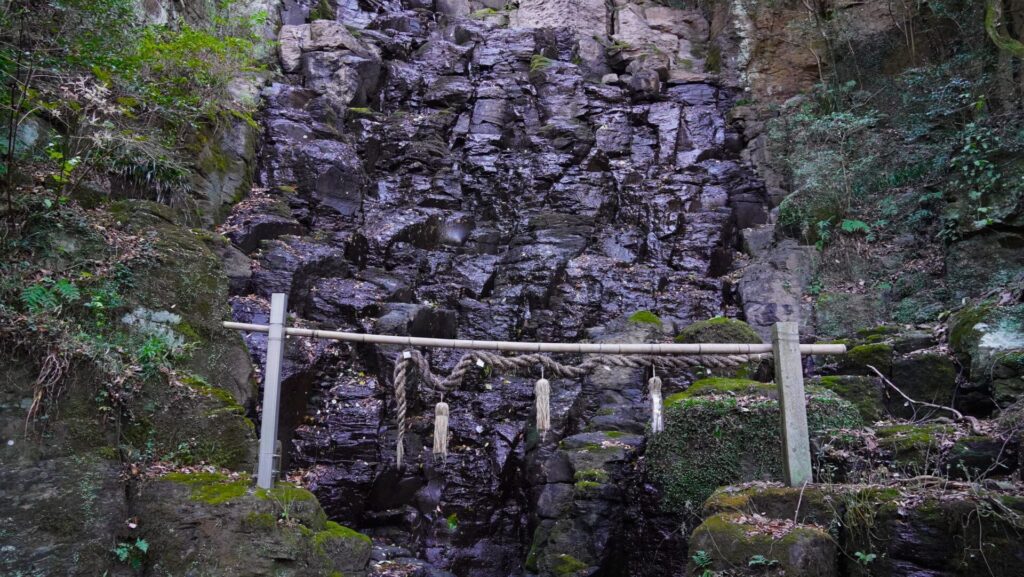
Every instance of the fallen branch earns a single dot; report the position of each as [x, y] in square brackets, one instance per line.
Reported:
[957, 415]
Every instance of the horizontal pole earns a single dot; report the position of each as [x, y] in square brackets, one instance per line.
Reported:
[602, 348]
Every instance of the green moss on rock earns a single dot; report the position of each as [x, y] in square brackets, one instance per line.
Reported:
[721, 385]
[285, 493]
[711, 441]
[878, 355]
[645, 317]
[864, 392]
[719, 330]
[914, 448]
[334, 532]
[212, 488]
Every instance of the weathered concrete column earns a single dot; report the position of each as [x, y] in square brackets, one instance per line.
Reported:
[272, 390]
[789, 378]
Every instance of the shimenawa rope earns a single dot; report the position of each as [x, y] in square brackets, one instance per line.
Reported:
[414, 360]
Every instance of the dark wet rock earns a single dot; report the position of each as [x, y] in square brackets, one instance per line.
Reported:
[458, 179]
[259, 218]
[980, 456]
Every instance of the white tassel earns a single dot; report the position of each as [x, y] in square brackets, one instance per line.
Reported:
[543, 393]
[441, 429]
[654, 386]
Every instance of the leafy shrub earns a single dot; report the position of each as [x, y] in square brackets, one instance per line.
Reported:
[126, 97]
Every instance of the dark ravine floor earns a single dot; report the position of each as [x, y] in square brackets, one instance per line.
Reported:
[441, 178]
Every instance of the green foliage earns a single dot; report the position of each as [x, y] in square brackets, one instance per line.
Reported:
[322, 11]
[126, 97]
[863, 558]
[153, 354]
[702, 559]
[762, 562]
[49, 296]
[987, 190]
[132, 553]
[452, 522]
[852, 226]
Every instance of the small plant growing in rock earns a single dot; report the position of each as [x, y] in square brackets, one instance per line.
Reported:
[134, 554]
[863, 558]
[702, 559]
[762, 562]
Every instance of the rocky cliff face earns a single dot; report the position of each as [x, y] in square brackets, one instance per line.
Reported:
[463, 171]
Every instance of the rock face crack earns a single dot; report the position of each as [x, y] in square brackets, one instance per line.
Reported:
[439, 175]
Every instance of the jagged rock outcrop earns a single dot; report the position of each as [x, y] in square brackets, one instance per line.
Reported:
[473, 180]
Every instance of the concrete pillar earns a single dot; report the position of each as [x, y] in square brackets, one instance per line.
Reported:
[789, 378]
[272, 390]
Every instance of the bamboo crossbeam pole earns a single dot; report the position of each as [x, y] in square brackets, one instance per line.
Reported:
[512, 346]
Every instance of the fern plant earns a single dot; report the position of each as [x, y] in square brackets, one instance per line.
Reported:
[38, 299]
[49, 296]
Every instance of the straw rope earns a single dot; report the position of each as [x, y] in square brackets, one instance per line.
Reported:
[414, 361]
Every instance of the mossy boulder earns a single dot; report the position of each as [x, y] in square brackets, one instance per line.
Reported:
[915, 448]
[59, 514]
[960, 534]
[923, 376]
[719, 330]
[719, 438]
[859, 358]
[897, 530]
[811, 505]
[722, 385]
[977, 456]
[183, 287]
[180, 295]
[838, 314]
[867, 394]
[727, 330]
[219, 525]
[989, 340]
[730, 540]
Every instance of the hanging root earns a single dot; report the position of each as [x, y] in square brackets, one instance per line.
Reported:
[47, 385]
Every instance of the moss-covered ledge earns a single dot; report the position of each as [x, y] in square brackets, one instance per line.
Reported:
[227, 527]
[719, 330]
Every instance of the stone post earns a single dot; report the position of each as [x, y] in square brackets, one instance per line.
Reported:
[789, 378]
[272, 390]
